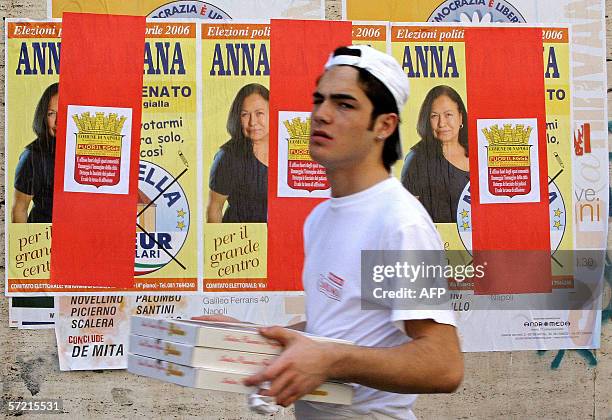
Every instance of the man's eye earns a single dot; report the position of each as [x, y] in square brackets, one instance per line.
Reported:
[346, 105]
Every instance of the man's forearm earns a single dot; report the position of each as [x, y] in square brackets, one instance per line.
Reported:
[425, 365]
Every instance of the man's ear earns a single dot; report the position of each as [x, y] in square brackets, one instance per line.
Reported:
[385, 125]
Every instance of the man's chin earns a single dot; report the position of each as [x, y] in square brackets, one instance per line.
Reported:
[316, 155]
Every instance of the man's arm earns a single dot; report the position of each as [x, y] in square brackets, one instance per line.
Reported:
[431, 362]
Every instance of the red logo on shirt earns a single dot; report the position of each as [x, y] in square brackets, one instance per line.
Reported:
[331, 285]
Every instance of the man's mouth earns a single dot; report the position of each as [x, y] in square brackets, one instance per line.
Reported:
[320, 136]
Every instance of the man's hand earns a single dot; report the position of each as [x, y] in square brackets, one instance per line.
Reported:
[302, 366]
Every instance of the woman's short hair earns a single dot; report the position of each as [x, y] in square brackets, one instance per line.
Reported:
[234, 126]
[39, 124]
[424, 128]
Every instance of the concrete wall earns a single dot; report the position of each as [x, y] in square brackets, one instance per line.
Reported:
[502, 384]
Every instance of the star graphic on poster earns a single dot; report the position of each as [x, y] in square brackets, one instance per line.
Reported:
[464, 213]
[558, 212]
[465, 225]
[557, 224]
[180, 225]
[181, 213]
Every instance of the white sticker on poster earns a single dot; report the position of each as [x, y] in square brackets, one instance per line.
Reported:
[97, 149]
[298, 174]
[508, 155]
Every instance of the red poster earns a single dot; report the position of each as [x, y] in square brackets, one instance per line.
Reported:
[506, 106]
[299, 49]
[98, 141]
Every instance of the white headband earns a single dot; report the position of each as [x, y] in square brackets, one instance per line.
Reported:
[380, 65]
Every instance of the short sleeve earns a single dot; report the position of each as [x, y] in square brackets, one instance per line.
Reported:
[420, 237]
[221, 174]
[24, 176]
[414, 236]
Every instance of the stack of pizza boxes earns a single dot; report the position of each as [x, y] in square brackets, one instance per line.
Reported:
[211, 355]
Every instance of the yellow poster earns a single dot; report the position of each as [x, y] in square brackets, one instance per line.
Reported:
[433, 58]
[166, 243]
[32, 74]
[235, 106]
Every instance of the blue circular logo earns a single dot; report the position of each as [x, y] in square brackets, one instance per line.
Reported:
[476, 11]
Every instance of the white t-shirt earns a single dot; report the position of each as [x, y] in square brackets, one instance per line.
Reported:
[383, 217]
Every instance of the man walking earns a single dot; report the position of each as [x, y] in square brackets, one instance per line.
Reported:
[398, 352]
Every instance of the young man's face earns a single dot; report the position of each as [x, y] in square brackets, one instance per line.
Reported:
[340, 136]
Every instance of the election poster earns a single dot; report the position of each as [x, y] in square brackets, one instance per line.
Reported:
[181, 9]
[166, 243]
[434, 60]
[235, 141]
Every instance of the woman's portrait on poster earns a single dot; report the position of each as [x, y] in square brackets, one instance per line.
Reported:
[436, 170]
[34, 172]
[239, 172]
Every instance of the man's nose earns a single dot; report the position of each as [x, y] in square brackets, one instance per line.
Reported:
[322, 112]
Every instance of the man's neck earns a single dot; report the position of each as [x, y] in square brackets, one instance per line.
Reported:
[347, 181]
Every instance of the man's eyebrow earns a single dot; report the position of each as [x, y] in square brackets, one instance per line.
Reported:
[335, 96]
[342, 96]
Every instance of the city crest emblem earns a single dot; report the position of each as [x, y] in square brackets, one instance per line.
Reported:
[508, 159]
[98, 148]
[302, 172]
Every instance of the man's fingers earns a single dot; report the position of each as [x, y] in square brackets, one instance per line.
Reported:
[256, 379]
[288, 395]
[282, 335]
[279, 384]
[277, 367]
